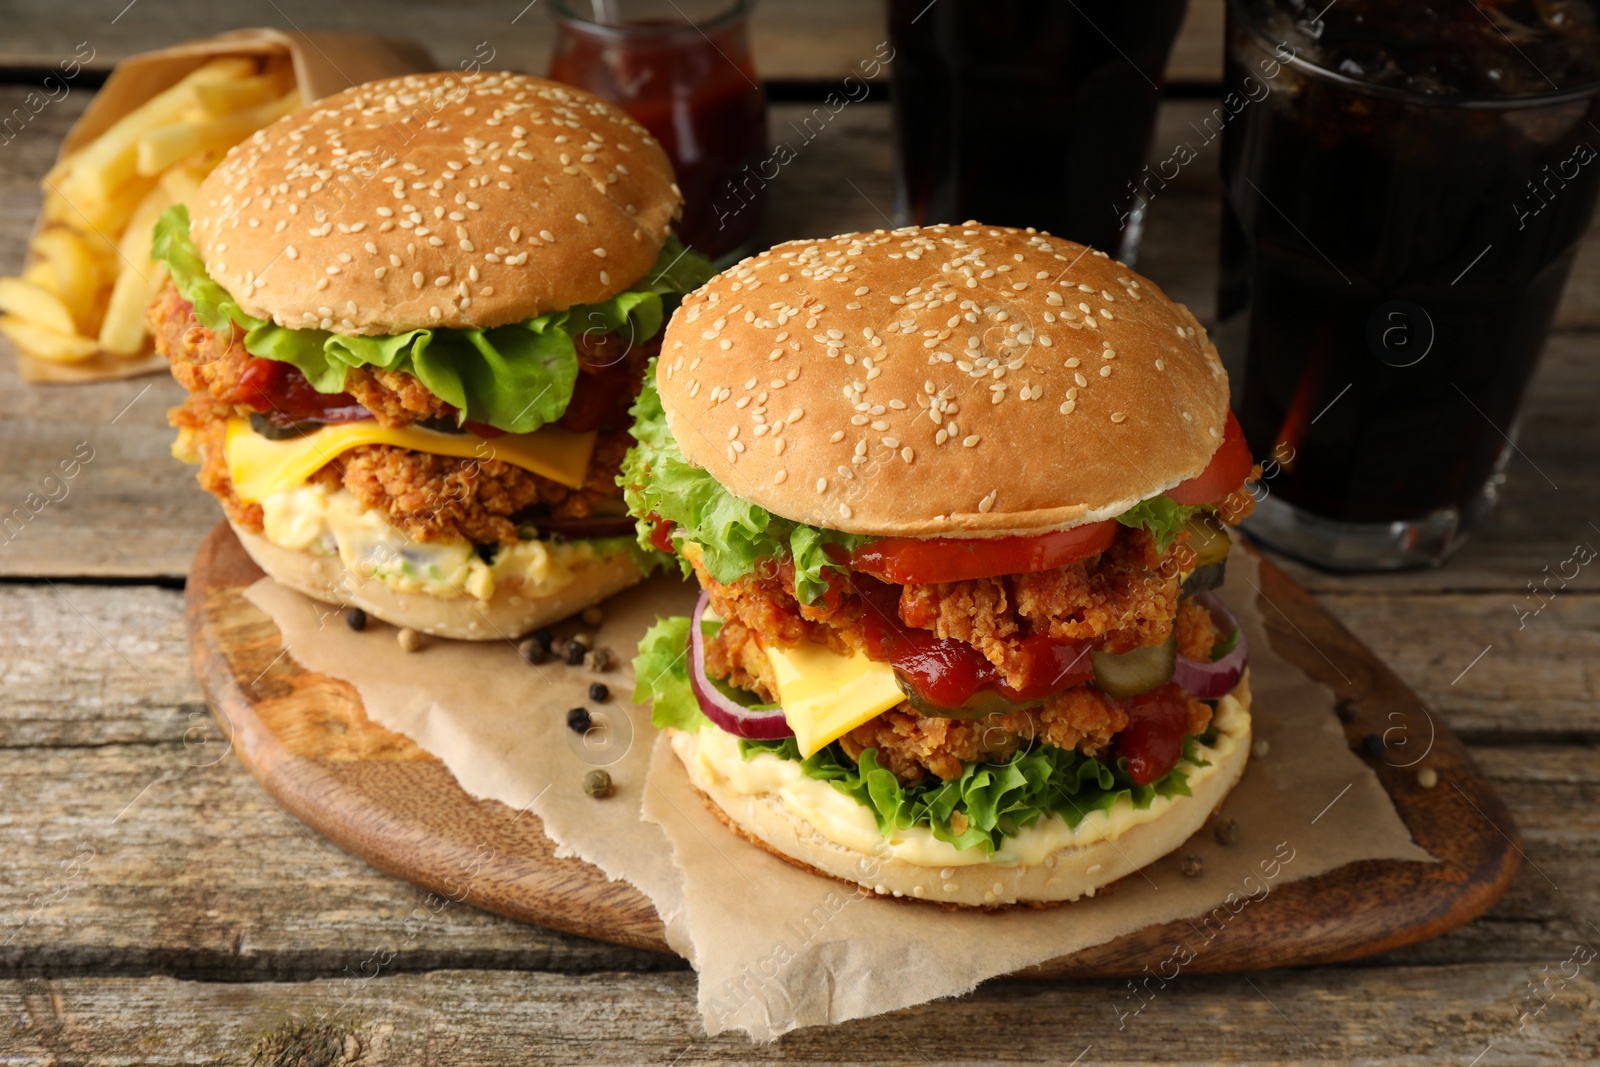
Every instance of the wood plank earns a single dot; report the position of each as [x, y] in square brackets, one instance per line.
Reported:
[1197, 53]
[86, 664]
[817, 40]
[1398, 1016]
[203, 877]
[793, 41]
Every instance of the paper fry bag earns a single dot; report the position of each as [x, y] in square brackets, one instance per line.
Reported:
[321, 64]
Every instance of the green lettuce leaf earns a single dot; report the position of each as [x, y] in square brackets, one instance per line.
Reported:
[516, 377]
[734, 535]
[661, 676]
[1162, 516]
[997, 800]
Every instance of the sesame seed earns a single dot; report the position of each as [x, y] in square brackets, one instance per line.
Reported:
[844, 510]
[1117, 416]
[970, 440]
[822, 485]
[1105, 372]
[778, 478]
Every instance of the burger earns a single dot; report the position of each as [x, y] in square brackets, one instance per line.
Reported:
[956, 497]
[411, 320]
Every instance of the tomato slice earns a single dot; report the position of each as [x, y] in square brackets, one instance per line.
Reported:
[1229, 467]
[915, 560]
[661, 534]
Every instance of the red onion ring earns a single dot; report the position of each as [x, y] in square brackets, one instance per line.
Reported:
[1208, 681]
[727, 713]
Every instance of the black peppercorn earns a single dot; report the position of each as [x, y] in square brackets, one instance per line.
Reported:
[1373, 744]
[578, 720]
[599, 692]
[1193, 866]
[573, 653]
[356, 619]
[542, 635]
[532, 652]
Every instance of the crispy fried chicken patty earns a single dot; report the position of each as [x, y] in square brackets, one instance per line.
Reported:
[431, 497]
[1122, 599]
[215, 364]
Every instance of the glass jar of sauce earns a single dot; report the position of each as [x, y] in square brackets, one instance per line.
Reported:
[683, 70]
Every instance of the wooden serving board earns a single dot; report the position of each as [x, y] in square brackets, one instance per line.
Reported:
[374, 793]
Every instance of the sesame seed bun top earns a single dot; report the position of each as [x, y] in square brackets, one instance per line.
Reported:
[456, 200]
[941, 381]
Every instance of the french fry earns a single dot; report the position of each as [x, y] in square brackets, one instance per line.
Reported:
[134, 247]
[165, 146]
[35, 304]
[182, 182]
[217, 99]
[91, 215]
[123, 332]
[41, 274]
[101, 168]
[75, 270]
[89, 276]
[42, 343]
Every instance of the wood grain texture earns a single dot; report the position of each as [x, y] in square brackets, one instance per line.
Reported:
[198, 874]
[794, 40]
[304, 738]
[1404, 1015]
[807, 40]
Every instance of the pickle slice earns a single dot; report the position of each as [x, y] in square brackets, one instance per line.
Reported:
[1126, 674]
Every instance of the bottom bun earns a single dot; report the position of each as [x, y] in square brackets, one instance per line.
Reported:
[507, 614]
[779, 810]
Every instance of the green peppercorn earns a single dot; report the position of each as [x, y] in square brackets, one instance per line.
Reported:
[597, 783]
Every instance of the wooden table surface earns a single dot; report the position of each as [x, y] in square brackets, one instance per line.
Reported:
[157, 909]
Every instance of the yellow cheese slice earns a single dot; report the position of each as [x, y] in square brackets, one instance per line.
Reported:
[826, 695]
[260, 467]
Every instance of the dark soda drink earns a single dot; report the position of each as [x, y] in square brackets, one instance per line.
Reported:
[690, 81]
[1028, 112]
[1401, 212]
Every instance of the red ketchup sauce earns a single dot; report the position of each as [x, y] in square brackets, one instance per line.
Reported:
[1158, 721]
[280, 392]
[607, 382]
[947, 673]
